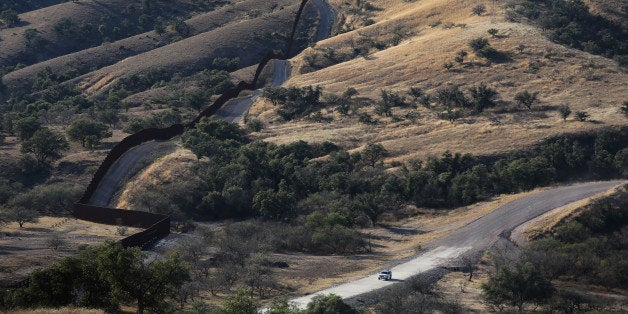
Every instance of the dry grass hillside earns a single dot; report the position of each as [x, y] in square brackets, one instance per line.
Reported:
[85, 61]
[73, 25]
[433, 32]
[194, 53]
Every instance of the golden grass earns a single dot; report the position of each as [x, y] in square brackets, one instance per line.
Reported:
[170, 168]
[551, 219]
[564, 76]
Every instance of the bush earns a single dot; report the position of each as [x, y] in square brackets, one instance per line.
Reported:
[582, 116]
[479, 9]
[88, 132]
[322, 304]
[526, 99]
[255, 125]
[9, 18]
[478, 43]
[564, 111]
[365, 118]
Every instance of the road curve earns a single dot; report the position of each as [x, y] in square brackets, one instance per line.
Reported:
[476, 236]
[121, 170]
[232, 111]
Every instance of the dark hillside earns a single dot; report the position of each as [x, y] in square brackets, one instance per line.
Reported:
[196, 53]
[87, 60]
[72, 26]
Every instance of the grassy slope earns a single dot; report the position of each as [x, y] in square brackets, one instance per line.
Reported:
[43, 20]
[564, 77]
[111, 53]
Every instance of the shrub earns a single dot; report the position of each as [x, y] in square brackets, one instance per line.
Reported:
[9, 18]
[365, 118]
[582, 116]
[478, 43]
[564, 111]
[255, 125]
[479, 9]
[526, 99]
[482, 97]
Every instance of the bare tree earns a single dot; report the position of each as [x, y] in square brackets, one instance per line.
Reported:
[20, 214]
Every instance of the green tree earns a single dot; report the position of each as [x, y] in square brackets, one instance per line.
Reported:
[478, 43]
[275, 95]
[517, 286]
[274, 204]
[582, 116]
[373, 205]
[240, 303]
[46, 145]
[564, 111]
[88, 132]
[26, 127]
[19, 214]
[132, 279]
[373, 153]
[482, 97]
[451, 96]
[9, 18]
[527, 99]
[328, 304]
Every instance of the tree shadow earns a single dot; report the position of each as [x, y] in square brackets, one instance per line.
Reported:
[404, 231]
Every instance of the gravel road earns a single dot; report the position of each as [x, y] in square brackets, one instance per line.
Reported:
[232, 111]
[235, 109]
[119, 173]
[476, 236]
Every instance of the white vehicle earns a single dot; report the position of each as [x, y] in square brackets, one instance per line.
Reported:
[384, 274]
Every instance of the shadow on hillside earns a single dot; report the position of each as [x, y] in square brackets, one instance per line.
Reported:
[404, 231]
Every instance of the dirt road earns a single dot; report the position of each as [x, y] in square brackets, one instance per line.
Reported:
[123, 169]
[232, 111]
[326, 19]
[476, 236]
[235, 109]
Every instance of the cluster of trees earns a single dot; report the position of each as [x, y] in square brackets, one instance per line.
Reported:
[162, 119]
[20, 205]
[294, 102]
[589, 248]
[571, 23]
[281, 182]
[103, 276]
[451, 102]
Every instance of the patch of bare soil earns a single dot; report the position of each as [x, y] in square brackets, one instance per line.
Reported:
[40, 244]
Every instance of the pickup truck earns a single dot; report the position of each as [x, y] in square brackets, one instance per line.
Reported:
[384, 274]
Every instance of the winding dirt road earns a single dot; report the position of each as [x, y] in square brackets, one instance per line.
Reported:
[476, 236]
[232, 111]
[235, 109]
[121, 172]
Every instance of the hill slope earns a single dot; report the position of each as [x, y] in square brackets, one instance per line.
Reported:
[431, 33]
